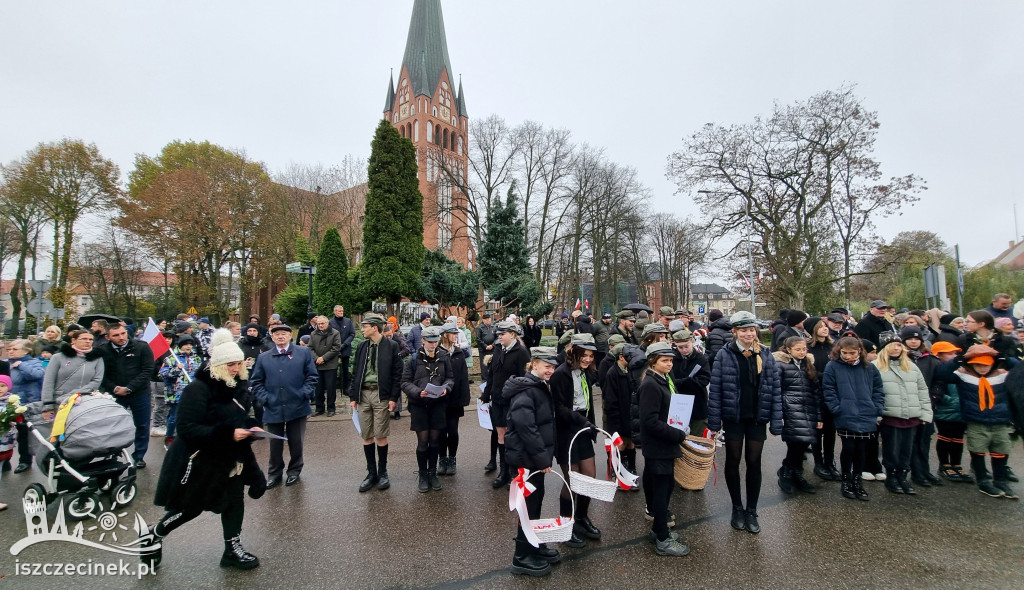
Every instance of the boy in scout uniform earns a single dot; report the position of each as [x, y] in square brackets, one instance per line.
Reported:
[374, 391]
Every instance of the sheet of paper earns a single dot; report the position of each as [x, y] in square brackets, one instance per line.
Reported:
[679, 411]
[483, 387]
[264, 434]
[695, 370]
[434, 390]
[355, 420]
[483, 414]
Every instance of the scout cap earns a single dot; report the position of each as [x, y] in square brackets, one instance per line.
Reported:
[432, 333]
[666, 310]
[616, 339]
[548, 354]
[742, 319]
[505, 326]
[374, 318]
[655, 328]
[676, 325]
[566, 337]
[682, 335]
[626, 314]
[616, 350]
[682, 310]
[660, 349]
[584, 341]
[450, 328]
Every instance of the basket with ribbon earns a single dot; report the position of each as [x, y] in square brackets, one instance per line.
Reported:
[692, 468]
[542, 530]
[600, 489]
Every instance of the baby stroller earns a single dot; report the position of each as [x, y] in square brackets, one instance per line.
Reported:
[89, 458]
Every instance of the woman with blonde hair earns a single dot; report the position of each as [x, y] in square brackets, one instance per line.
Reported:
[907, 407]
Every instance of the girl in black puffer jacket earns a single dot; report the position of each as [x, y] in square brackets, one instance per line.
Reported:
[801, 411]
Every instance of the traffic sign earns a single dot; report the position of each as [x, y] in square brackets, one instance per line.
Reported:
[700, 309]
[761, 304]
[40, 306]
[192, 311]
[293, 267]
[40, 287]
[57, 313]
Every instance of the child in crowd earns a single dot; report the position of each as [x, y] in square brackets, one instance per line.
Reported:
[949, 422]
[801, 411]
[907, 407]
[7, 440]
[854, 394]
[177, 373]
[985, 407]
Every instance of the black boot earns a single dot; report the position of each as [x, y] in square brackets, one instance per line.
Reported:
[503, 478]
[1002, 481]
[548, 554]
[586, 528]
[442, 465]
[492, 464]
[891, 483]
[435, 484]
[739, 518]
[751, 523]
[981, 474]
[786, 479]
[800, 483]
[371, 468]
[848, 487]
[836, 475]
[424, 485]
[527, 561]
[858, 488]
[565, 510]
[822, 471]
[236, 556]
[902, 475]
[154, 545]
[382, 468]
[451, 465]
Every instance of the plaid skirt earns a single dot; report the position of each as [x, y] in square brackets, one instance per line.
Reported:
[843, 433]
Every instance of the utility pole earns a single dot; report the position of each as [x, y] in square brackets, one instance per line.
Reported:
[960, 279]
[750, 253]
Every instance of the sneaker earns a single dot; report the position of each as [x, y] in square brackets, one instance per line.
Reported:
[986, 487]
[650, 517]
[671, 548]
[867, 476]
[963, 475]
[671, 535]
[1011, 476]
[879, 477]
[158, 432]
[1006, 489]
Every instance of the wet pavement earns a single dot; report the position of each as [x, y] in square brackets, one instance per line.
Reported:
[321, 533]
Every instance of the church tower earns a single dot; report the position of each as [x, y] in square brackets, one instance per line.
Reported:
[425, 107]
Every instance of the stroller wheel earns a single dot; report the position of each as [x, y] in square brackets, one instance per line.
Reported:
[34, 493]
[84, 505]
[124, 493]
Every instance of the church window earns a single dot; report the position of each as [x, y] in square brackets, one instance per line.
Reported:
[416, 132]
[460, 145]
[444, 143]
[435, 111]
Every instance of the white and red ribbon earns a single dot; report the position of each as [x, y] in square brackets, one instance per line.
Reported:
[517, 494]
[626, 479]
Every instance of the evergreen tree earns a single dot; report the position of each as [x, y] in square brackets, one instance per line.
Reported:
[330, 283]
[393, 250]
[446, 283]
[504, 253]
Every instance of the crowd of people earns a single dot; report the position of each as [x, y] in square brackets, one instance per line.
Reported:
[888, 382]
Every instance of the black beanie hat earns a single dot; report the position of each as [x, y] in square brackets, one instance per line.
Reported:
[795, 316]
[948, 318]
[715, 314]
[911, 332]
[809, 324]
[869, 346]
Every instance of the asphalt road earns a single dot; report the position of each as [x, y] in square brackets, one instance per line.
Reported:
[321, 533]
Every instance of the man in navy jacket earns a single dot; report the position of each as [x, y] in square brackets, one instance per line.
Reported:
[284, 381]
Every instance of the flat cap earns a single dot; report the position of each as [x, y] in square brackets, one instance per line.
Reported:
[878, 303]
[584, 341]
[742, 319]
[666, 310]
[616, 339]
[432, 333]
[548, 354]
[566, 337]
[373, 318]
[280, 327]
[653, 328]
[626, 314]
[682, 335]
[505, 326]
[660, 349]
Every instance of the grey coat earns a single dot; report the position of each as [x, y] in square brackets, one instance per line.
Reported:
[67, 373]
[326, 343]
[906, 393]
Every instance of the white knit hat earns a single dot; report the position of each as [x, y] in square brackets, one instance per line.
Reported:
[223, 349]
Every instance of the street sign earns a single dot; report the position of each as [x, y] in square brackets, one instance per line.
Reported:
[40, 287]
[293, 267]
[700, 309]
[57, 313]
[192, 311]
[761, 304]
[40, 306]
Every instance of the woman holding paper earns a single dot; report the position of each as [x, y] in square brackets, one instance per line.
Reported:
[572, 386]
[426, 380]
[457, 400]
[211, 460]
[660, 446]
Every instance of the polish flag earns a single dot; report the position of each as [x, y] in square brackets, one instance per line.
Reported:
[577, 303]
[744, 277]
[155, 339]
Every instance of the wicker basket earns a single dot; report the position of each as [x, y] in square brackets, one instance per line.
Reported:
[553, 530]
[592, 487]
[693, 467]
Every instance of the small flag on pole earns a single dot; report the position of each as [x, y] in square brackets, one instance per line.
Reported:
[577, 303]
[155, 339]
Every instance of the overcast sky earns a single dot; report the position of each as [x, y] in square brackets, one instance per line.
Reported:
[305, 81]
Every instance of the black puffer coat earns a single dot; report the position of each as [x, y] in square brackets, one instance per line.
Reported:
[530, 438]
[801, 401]
[208, 414]
[949, 334]
[724, 391]
[567, 420]
[424, 369]
[636, 361]
[616, 393]
[719, 335]
[503, 366]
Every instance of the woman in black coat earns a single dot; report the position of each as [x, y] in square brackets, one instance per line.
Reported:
[572, 389]
[616, 394]
[427, 415]
[530, 444]
[458, 399]
[531, 333]
[801, 411]
[252, 344]
[211, 459]
[823, 449]
[661, 446]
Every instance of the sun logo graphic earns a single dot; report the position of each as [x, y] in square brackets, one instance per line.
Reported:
[108, 523]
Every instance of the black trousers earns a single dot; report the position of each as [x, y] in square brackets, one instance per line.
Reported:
[296, 433]
[897, 447]
[326, 388]
[344, 374]
[922, 450]
[24, 451]
[824, 448]
[871, 462]
[230, 518]
[851, 459]
[795, 455]
[658, 489]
